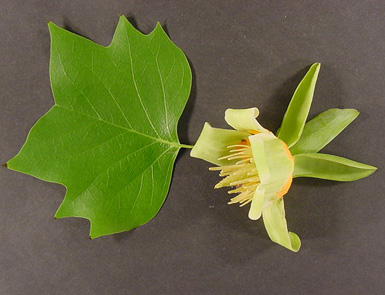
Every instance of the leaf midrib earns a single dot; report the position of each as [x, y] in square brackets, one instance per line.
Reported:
[170, 143]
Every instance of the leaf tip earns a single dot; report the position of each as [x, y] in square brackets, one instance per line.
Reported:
[159, 27]
[4, 165]
[122, 17]
[51, 26]
[370, 170]
[317, 67]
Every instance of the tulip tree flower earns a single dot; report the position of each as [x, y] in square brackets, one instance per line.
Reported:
[260, 166]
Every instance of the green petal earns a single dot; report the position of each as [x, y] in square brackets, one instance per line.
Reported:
[321, 130]
[244, 119]
[298, 109]
[257, 204]
[274, 167]
[330, 167]
[213, 142]
[276, 226]
[259, 155]
[272, 160]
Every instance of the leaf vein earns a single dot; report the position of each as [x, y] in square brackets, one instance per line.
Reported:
[103, 84]
[109, 167]
[136, 86]
[171, 143]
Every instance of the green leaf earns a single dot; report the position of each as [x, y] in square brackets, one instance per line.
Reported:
[322, 129]
[111, 137]
[298, 109]
[330, 167]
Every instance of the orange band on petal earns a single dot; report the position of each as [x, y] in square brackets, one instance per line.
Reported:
[246, 140]
[286, 187]
[253, 131]
[288, 152]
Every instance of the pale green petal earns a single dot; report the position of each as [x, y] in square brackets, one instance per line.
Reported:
[213, 142]
[321, 130]
[275, 167]
[298, 109]
[244, 119]
[259, 155]
[257, 204]
[273, 161]
[276, 226]
[330, 167]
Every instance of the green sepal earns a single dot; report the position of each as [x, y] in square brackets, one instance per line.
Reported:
[322, 129]
[330, 167]
[298, 109]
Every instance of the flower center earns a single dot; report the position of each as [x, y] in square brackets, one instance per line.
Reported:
[242, 175]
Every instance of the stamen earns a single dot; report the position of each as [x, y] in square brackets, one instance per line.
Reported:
[252, 173]
[245, 180]
[238, 145]
[246, 202]
[243, 172]
[241, 197]
[223, 168]
[230, 156]
[236, 157]
[244, 161]
[251, 186]
[237, 190]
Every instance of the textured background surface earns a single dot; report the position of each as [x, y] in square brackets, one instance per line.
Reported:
[244, 54]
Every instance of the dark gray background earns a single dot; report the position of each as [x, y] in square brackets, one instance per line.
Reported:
[244, 53]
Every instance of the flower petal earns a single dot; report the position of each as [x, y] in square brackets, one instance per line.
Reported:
[244, 119]
[273, 161]
[213, 142]
[276, 226]
[259, 155]
[257, 204]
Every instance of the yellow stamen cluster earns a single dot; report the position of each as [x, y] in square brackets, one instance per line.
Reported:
[242, 175]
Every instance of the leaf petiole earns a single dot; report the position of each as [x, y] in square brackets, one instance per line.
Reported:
[186, 146]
